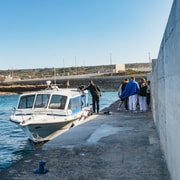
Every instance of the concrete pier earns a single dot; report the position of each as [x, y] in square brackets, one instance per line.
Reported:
[120, 145]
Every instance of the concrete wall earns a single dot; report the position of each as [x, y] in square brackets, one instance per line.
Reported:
[166, 92]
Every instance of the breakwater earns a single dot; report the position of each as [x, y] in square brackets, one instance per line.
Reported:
[110, 83]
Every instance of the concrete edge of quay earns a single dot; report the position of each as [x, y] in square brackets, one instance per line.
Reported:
[115, 145]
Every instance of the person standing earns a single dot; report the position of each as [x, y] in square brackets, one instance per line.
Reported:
[148, 93]
[142, 95]
[131, 91]
[119, 93]
[125, 100]
[67, 84]
[95, 93]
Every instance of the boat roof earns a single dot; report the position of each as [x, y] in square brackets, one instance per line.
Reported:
[71, 92]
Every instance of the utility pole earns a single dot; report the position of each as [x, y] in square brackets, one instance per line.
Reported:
[75, 65]
[110, 58]
[111, 63]
[149, 57]
[63, 68]
[150, 62]
[12, 74]
[55, 76]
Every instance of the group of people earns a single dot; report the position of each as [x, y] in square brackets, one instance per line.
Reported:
[132, 94]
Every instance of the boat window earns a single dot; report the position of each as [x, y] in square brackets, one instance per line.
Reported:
[76, 104]
[26, 102]
[58, 102]
[42, 100]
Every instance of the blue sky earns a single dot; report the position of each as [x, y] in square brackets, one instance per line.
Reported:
[65, 33]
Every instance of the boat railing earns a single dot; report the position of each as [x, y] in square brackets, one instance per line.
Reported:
[32, 113]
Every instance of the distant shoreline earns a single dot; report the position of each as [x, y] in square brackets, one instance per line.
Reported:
[109, 83]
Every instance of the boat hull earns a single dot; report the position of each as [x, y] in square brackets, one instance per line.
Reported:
[45, 132]
[49, 127]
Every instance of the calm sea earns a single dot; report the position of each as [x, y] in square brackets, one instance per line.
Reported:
[13, 143]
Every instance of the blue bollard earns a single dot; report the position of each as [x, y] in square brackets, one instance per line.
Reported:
[41, 169]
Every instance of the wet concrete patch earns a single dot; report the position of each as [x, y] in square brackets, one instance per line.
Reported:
[104, 131]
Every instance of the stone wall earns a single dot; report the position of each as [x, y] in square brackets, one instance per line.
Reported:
[165, 92]
[110, 83]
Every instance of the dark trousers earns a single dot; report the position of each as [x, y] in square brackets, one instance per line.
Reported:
[148, 97]
[126, 103]
[95, 103]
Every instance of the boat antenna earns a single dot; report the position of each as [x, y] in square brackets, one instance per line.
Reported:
[54, 76]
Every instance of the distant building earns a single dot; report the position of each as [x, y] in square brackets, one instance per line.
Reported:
[139, 67]
[2, 78]
[119, 68]
[8, 78]
[114, 68]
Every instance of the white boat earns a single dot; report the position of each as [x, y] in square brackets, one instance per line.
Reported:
[43, 114]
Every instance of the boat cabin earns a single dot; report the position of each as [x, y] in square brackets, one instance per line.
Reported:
[73, 101]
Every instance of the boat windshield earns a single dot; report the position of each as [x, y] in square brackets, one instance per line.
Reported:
[58, 102]
[75, 104]
[42, 100]
[26, 102]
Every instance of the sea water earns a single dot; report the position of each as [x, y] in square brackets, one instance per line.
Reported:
[14, 144]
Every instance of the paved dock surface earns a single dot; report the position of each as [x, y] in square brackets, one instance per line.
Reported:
[116, 146]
